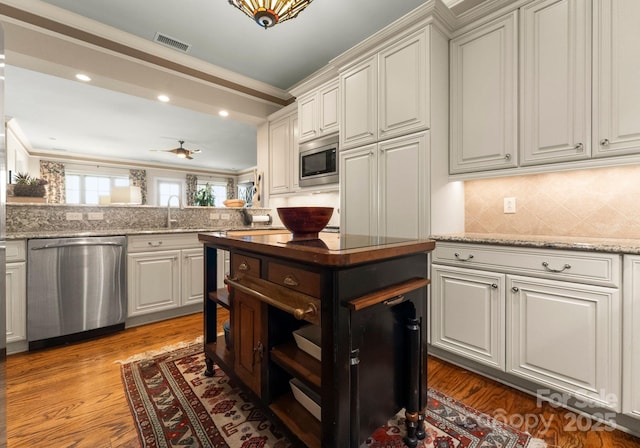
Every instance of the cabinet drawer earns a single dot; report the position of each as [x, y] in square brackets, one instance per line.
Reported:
[576, 266]
[162, 241]
[16, 251]
[297, 279]
[241, 264]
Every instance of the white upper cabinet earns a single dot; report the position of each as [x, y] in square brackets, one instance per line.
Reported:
[616, 83]
[318, 112]
[555, 81]
[387, 94]
[283, 154]
[359, 114]
[383, 188]
[484, 97]
[403, 87]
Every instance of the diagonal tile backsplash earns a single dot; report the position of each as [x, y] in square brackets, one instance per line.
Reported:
[603, 202]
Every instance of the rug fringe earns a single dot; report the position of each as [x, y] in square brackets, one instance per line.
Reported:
[536, 443]
[152, 353]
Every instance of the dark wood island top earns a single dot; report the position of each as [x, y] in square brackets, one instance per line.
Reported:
[331, 249]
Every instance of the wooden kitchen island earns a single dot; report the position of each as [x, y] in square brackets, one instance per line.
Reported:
[369, 297]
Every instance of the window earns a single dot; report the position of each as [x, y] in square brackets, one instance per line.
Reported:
[87, 189]
[167, 189]
[219, 190]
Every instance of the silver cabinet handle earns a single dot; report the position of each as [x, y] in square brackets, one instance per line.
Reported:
[604, 142]
[457, 255]
[152, 244]
[564, 268]
[494, 285]
[507, 156]
[579, 147]
[515, 289]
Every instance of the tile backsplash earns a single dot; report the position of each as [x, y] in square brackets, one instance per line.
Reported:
[603, 202]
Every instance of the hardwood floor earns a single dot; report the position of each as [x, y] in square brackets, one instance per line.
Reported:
[72, 396]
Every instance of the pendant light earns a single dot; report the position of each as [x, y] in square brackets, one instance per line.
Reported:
[267, 13]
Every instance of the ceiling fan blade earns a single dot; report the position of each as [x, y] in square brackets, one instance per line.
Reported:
[189, 157]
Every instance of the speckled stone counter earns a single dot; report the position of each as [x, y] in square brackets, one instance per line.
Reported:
[611, 245]
[111, 232]
[26, 221]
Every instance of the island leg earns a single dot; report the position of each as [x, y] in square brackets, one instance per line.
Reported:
[210, 369]
[413, 398]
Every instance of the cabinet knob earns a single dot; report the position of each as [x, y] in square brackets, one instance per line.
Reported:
[243, 266]
[604, 142]
[494, 285]
[507, 156]
[579, 147]
[515, 289]
[457, 255]
[290, 280]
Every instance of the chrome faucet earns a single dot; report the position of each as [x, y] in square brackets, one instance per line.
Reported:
[169, 220]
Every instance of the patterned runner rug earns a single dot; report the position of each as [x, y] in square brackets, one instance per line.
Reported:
[175, 405]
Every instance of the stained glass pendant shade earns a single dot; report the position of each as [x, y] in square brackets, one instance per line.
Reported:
[267, 13]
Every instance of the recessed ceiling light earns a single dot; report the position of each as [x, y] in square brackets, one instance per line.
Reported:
[83, 77]
[223, 113]
[163, 98]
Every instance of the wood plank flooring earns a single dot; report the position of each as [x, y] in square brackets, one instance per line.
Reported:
[72, 396]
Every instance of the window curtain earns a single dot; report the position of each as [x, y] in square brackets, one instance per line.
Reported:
[138, 178]
[192, 187]
[53, 173]
[231, 188]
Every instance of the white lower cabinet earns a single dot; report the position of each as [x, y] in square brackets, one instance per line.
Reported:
[16, 291]
[566, 336]
[164, 272]
[192, 276]
[469, 313]
[154, 281]
[631, 337]
[552, 317]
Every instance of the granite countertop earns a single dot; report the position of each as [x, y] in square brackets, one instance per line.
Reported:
[112, 232]
[611, 245]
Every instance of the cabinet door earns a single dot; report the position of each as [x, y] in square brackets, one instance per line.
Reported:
[16, 299]
[631, 337]
[247, 339]
[358, 116]
[192, 276]
[616, 97]
[403, 186]
[358, 191]
[555, 81]
[468, 314]
[295, 154]
[567, 336]
[154, 281]
[403, 86]
[280, 155]
[329, 100]
[484, 97]
[308, 116]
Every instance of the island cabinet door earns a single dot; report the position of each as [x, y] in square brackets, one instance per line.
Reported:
[248, 326]
[248, 342]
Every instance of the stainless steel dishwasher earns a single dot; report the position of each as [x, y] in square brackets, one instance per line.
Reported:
[76, 289]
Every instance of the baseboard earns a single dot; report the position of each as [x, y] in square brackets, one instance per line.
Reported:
[144, 319]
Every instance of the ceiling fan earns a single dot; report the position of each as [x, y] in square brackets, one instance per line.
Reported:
[181, 152]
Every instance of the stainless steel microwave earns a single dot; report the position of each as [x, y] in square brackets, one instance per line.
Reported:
[319, 161]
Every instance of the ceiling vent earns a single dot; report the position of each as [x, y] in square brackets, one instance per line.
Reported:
[171, 42]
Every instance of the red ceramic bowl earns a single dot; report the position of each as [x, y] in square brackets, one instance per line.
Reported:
[305, 222]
